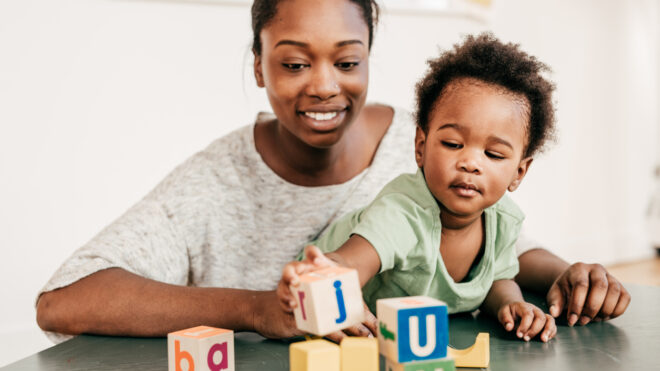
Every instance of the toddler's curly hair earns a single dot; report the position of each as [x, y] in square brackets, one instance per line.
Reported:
[486, 58]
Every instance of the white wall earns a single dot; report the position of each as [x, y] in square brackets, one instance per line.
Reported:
[99, 99]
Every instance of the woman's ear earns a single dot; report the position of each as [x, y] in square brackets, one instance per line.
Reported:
[258, 74]
[521, 172]
[420, 141]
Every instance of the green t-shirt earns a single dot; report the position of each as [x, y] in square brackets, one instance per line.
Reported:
[403, 225]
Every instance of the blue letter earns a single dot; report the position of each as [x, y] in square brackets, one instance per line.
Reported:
[340, 302]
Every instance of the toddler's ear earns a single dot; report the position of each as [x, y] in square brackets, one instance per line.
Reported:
[420, 141]
[520, 174]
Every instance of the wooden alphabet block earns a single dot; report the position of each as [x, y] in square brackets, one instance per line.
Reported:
[442, 364]
[314, 355]
[328, 300]
[412, 328]
[359, 354]
[200, 348]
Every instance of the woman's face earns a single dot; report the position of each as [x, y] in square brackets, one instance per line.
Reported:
[314, 66]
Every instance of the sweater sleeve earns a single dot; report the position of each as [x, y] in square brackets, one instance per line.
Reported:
[152, 239]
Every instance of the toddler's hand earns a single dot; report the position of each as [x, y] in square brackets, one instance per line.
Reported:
[314, 260]
[531, 321]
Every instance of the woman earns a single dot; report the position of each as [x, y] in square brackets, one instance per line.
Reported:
[208, 244]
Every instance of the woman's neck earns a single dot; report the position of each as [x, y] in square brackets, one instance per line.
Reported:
[305, 165]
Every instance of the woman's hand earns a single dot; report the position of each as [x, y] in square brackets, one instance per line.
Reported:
[587, 292]
[270, 321]
[531, 321]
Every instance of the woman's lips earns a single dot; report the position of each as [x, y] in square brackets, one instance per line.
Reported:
[323, 120]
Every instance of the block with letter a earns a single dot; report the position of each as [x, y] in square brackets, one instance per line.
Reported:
[200, 348]
[412, 328]
[329, 300]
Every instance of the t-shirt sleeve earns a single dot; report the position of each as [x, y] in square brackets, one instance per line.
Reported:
[151, 239]
[390, 225]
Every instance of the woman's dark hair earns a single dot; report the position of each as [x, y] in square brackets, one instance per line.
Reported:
[263, 12]
[486, 58]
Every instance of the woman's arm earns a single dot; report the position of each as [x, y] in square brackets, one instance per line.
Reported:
[117, 302]
[585, 291]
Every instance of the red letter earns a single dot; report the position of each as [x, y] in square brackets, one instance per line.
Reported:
[222, 348]
[301, 295]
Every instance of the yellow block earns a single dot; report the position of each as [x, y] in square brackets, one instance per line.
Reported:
[314, 355]
[478, 355]
[359, 354]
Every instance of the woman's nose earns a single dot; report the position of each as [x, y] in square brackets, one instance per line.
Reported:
[323, 83]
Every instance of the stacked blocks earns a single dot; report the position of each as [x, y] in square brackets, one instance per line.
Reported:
[200, 348]
[317, 355]
[328, 300]
[413, 333]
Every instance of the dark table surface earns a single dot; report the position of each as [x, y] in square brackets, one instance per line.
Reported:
[630, 342]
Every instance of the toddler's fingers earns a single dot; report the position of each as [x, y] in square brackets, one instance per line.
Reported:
[285, 297]
[526, 316]
[537, 325]
[506, 318]
[316, 256]
[290, 274]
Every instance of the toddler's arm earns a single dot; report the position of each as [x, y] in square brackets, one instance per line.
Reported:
[506, 303]
[356, 253]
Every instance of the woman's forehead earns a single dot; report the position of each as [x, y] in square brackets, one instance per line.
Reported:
[314, 21]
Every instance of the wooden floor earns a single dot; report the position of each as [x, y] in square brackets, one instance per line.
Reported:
[645, 272]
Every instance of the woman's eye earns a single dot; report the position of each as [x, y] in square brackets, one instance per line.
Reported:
[452, 145]
[294, 66]
[347, 65]
[494, 156]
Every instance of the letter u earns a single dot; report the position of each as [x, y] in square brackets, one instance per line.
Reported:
[428, 333]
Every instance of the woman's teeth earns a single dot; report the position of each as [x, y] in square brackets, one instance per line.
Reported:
[321, 116]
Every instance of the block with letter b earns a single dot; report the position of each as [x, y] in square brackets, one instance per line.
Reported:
[200, 348]
[412, 328]
[329, 300]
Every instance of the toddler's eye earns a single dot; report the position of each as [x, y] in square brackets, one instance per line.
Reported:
[452, 145]
[494, 156]
[346, 66]
[294, 66]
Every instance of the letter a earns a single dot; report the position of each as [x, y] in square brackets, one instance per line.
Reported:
[222, 348]
[428, 333]
[178, 355]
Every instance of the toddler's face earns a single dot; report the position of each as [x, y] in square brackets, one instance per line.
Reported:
[473, 150]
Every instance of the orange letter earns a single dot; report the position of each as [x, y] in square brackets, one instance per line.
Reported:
[178, 355]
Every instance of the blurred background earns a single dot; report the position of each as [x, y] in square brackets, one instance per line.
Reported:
[100, 99]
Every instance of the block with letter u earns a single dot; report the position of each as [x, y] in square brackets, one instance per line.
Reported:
[412, 328]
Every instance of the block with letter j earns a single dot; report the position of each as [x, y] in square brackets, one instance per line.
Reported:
[329, 300]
